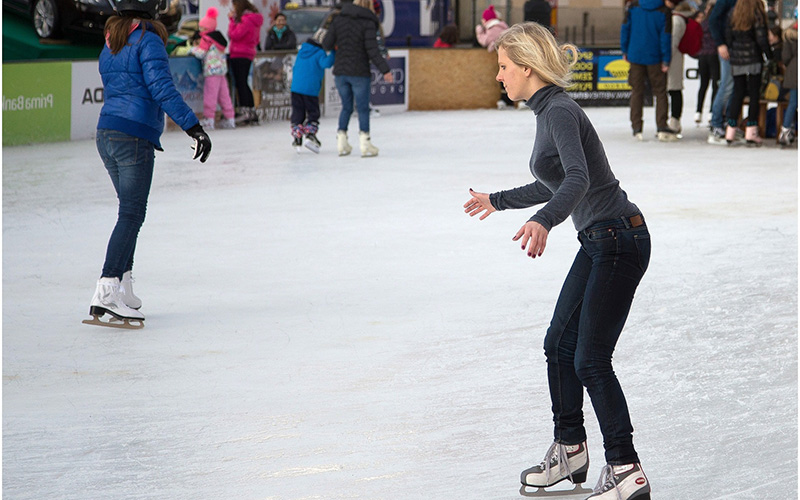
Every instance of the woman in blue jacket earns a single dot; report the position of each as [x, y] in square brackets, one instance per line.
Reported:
[138, 89]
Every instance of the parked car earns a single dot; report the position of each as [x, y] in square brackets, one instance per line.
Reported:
[304, 21]
[59, 18]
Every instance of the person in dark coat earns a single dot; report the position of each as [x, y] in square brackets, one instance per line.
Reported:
[746, 38]
[353, 33]
[280, 36]
[789, 59]
[538, 11]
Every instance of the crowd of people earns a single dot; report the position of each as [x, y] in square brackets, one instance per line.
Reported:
[739, 51]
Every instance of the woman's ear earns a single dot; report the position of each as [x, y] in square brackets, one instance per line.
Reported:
[527, 71]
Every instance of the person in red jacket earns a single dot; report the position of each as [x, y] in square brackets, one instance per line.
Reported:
[447, 38]
[244, 32]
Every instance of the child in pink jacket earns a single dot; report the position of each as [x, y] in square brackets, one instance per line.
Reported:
[244, 32]
[487, 32]
[211, 50]
[490, 28]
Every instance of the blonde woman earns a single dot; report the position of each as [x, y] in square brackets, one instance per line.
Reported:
[573, 178]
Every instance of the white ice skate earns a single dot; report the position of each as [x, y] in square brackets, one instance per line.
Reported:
[367, 148]
[108, 300]
[126, 290]
[342, 144]
[622, 482]
[560, 462]
[313, 143]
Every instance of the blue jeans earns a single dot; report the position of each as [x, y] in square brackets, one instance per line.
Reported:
[590, 313]
[353, 87]
[129, 162]
[724, 92]
[790, 115]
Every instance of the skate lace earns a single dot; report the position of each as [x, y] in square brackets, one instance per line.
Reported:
[607, 482]
[559, 452]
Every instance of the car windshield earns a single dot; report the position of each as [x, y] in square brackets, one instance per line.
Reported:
[305, 21]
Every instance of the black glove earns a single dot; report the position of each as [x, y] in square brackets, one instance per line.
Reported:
[202, 144]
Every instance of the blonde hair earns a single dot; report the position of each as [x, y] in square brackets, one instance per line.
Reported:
[531, 45]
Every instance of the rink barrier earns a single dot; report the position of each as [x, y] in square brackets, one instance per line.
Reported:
[61, 100]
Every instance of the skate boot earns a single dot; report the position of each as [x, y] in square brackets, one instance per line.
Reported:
[667, 135]
[730, 135]
[241, 116]
[675, 125]
[622, 482]
[228, 123]
[108, 300]
[637, 134]
[312, 142]
[698, 118]
[786, 137]
[367, 148]
[561, 462]
[252, 116]
[207, 123]
[717, 136]
[126, 291]
[342, 144]
[751, 136]
[297, 133]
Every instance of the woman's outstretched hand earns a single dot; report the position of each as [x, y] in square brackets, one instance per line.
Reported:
[534, 238]
[477, 204]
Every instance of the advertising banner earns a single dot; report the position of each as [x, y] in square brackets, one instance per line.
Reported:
[600, 78]
[36, 102]
[272, 85]
[87, 99]
[385, 97]
[187, 73]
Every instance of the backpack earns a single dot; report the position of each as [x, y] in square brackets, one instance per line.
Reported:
[692, 40]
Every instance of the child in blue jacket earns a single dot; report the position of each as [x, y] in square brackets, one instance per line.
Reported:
[309, 69]
[138, 91]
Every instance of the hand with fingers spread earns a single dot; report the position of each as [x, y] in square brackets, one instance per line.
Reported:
[534, 238]
[477, 204]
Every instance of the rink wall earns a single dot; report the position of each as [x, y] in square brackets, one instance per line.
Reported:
[61, 100]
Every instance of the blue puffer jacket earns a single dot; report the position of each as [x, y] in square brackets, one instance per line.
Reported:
[138, 89]
[309, 68]
[646, 34]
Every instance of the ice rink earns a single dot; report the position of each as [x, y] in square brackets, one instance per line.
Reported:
[337, 328]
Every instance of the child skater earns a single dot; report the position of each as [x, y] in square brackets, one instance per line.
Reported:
[307, 74]
[138, 90]
[573, 177]
[211, 50]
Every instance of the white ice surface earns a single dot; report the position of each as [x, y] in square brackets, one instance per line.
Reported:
[337, 328]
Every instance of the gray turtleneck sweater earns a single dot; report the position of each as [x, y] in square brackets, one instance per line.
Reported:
[570, 166]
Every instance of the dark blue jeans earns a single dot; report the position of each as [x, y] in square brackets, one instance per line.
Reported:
[354, 88]
[590, 313]
[129, 162]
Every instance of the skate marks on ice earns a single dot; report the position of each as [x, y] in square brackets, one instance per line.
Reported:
[115, 322]
[535, 492]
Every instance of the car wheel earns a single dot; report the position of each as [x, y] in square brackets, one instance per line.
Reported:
[46, 18]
